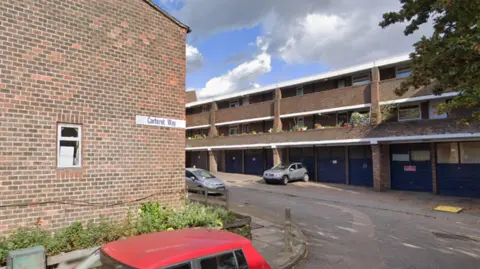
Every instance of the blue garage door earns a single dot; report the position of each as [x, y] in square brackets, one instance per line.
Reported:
[233, 161]
[411, 167]
[269, 158]
[199, 159]
[360, 166]
[304, 156]
[331, 165]
[254, 162]
[458, 169]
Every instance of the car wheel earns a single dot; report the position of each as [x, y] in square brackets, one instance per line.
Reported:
[285, 180]
[306, 178]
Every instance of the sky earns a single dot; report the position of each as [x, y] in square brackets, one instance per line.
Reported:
[237, 45]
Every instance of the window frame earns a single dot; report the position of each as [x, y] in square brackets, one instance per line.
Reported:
[233, 127]
[299, 91]
[197, 261]
[397, 72]
[297, 120]
[74, 139]
[359, 79]
[409, 107]
[236, 103]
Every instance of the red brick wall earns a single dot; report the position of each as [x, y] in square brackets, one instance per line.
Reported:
[98, 64]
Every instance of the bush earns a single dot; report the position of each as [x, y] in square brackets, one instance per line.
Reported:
[151, 217]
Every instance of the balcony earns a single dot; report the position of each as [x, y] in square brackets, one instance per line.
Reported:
[385, 131]
[198, 119]
[257, 110]
[349, 96]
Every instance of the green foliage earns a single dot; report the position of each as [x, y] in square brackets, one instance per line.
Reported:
[151, 217]
[359, 118]
[450, 58]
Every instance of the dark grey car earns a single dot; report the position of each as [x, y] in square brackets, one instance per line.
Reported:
[284, 173]
[199, 178]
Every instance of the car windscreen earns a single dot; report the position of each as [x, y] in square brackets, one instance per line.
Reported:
[202, 174]
[281, 166]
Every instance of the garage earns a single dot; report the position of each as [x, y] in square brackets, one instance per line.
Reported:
[233, 161]
[458, 166]
[331, 165]
[304, 155]
[360, 166]
[411, 167]
[269, 158]
[254, 161]
[199, 159]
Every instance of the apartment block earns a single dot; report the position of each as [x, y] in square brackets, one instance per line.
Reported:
[346, 126]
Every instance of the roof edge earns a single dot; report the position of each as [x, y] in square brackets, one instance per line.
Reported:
[166, 14]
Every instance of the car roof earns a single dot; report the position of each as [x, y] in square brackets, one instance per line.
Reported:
[160, 249]
[194, 169]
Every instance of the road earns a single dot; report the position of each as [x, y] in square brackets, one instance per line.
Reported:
[344, 235]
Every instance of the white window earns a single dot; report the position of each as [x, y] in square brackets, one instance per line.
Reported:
[300, 91]
[234, 103]
[341, 83]
[69, 146]
[300, 121]
[233, 130]
[246, 100]
[403, 71]
[409, 113]
[361, 79]
[433, 110]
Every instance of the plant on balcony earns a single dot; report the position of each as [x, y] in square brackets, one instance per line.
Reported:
[297, 128]
[319, 126]
[197, 136]
[359, 118]
[388, 112]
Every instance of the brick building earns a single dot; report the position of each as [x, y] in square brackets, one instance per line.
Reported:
[397, 142]
[92, 109]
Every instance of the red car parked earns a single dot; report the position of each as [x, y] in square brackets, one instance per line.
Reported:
[182, 249]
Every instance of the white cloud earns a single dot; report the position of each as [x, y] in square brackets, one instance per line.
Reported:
[241, 77]
[335, 33]
[194, 59]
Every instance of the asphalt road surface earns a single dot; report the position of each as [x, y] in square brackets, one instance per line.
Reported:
[362, 237]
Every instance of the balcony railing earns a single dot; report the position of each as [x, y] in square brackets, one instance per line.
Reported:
[257, 110]
[348, 96]
[386, 130]
[198, 119]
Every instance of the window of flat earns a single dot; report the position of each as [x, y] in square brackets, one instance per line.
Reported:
[205, 108]
[361, 79]
[342, 118]
[233, 130]
[299, 91]
[433, 109]
[341, 83]
[300, 121]
[234, 103]
[69, 146]
[246, 100]
[412, 112]
[245, 128]
[403, 71]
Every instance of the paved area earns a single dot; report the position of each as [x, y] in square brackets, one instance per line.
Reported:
[350, 227]
[268, 239]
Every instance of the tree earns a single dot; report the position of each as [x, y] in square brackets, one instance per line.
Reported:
[450, 58]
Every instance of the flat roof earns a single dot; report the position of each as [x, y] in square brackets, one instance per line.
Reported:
[299, 81]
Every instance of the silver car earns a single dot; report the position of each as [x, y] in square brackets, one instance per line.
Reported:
[284, 173]
[199, 178]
